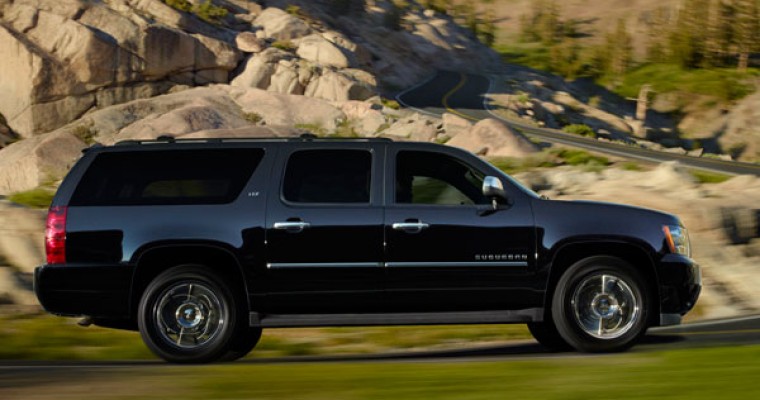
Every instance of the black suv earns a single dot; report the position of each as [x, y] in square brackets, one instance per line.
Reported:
[200, 244]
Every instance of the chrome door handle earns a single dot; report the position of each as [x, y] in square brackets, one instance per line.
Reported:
[291, 226]
[411, 227]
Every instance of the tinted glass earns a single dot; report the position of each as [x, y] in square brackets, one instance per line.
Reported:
[433, 178]
[328, 176]
[166, 177]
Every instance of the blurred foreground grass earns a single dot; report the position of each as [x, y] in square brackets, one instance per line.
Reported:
[44, 337]
[694, 374]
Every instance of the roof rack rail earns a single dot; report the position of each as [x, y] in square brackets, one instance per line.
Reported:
[306, 137]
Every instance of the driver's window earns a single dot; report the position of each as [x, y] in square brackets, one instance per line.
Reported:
[434, 178]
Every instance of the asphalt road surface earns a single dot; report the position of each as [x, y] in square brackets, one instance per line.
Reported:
[465, 95]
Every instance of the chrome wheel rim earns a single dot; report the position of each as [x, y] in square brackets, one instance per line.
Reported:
[605, 307]
[189, 315]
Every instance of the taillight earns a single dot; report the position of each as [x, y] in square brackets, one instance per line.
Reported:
[55, 235]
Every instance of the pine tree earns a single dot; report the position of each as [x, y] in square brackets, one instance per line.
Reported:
[658, 28]
[747, 30]
[688, 40]
[488, 31]
[620, 47]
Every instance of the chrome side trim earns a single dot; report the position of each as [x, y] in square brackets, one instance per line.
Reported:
[457, 264]
[433, 318]
[324, 265]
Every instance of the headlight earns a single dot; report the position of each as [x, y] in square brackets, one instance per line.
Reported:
[677, 239]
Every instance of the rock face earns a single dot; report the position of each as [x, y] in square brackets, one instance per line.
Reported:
[742, 132]
[59, 56]
[492, 138]
[29, 163]
[280, 25]
[22, 239]
[317, 49]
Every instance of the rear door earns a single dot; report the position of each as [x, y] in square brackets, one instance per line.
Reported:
[324, 231]
[447, 250]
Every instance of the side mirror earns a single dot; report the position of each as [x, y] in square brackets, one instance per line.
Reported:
[494, 190]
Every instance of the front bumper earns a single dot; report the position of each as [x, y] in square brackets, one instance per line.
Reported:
[680, 286]
[84, 289]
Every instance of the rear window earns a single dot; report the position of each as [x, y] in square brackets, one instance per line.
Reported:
[168, 177]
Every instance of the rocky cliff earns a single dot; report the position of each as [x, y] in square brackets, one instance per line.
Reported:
[65, 58]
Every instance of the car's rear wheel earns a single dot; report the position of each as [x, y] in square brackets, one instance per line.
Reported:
[188, 315]
[601, 305]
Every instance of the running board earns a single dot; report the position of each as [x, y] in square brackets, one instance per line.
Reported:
[431, 318]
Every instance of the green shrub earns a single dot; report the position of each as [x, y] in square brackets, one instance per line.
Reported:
[392, 104]
[580, 129]
[293, 9]
[40, 197]
[286, 45]
[85, 132]
[523, 97]
[630, 166]
[345, 129]
[580, 158]
[182, 5]
[208, 12]
[316, 129]
[253, 117]
[710, 177]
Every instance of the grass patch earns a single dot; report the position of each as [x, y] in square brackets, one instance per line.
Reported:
[511, 165]
[285, 45]
[549, 159]
[689, 374]
[533, 55]
[580, 129]
[724, 83]
[40, 197]
[253, 117]
[392, 104]
[86, 132]
[710, 177]
[206, 10]
[631, 166]
[46, 337]
[316, 129]
[43, 337]
[580, 158]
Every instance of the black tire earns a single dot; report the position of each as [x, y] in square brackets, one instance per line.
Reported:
[592, 319]
[547, 335]
[194, 327]
[245, 341]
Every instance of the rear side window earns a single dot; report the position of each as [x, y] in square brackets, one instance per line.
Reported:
[328, 176]
[171, 177]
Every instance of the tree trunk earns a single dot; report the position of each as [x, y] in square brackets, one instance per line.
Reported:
[743, 61]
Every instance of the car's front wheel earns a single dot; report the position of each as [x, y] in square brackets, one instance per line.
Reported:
[187, 315]
[601, 305]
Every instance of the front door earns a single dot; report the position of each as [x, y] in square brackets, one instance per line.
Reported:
[446, 248]
[325, 231]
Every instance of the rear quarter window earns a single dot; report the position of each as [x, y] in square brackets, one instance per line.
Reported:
[166, 177]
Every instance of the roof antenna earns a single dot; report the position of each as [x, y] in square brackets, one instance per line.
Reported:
[308, 136]
[166, 138]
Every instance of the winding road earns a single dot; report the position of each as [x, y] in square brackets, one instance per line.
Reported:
[465, 95]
